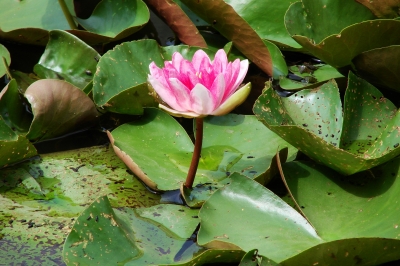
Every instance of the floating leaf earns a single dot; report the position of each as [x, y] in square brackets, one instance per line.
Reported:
[116, 18]
[232, 143]
[4, 53]
[236, 216]
[356, 215]
[67, 58]
[180, 220]
[317, 20]
[71, 109]
[312, 121]
[13, 108]
[339, 49]
[380, 66]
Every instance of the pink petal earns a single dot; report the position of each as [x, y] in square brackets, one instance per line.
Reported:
[198, 57]
[217, 90]
[190, 78]
[244, 66]
[165, 93]
[220, 61]
[202, 100]
[181, 93]
[157, 73]
[176, 60]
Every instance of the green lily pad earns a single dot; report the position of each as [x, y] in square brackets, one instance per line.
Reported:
[71, 109]
[317, 20]
[13, 148]
[67, 58]
[4, 53]
[28, 21]
[180, 220]
[116, 18]
[311, 120]
[236, 217]
[24, 80]
[380, 66]
[43, 196]
[364, 207]
[339, 49]
[120, 236]
[236, 29]
[13, 109]
[160, 154]
[322, 74]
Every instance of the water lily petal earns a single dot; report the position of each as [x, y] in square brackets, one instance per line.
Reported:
[202, 100]
[217, 89]
[157, 73]
[235, 100]
[220, 61]
[176, 60]
[189, 77]
[197, 59]
[165, 93]
[179, 114]
[181, 93]
[244, 66]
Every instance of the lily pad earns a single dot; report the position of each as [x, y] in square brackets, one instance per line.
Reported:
[13, 108]
[13, 148]
[365, 201]
[41, 197]
[339, 49]
[102, 236]
[380, 66]
[232, 143]
[180, 220]
[317, 20]
[67, 58]
[312, 121]
[236, 217]
[4, 53]
[116, 19]
[71, 109]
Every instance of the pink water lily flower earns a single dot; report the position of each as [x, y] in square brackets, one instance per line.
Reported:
[201, 87]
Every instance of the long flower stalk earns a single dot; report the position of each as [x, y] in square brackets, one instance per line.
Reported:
[196, 153]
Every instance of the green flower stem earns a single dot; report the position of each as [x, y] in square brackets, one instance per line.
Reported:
[67, 15]
[196, 153]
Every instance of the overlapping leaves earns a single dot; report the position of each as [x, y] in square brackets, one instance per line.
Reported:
[365, 136]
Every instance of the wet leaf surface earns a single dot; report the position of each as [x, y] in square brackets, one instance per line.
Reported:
[43, 197]
[67, 58]
[386, 9]
[236, 216]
